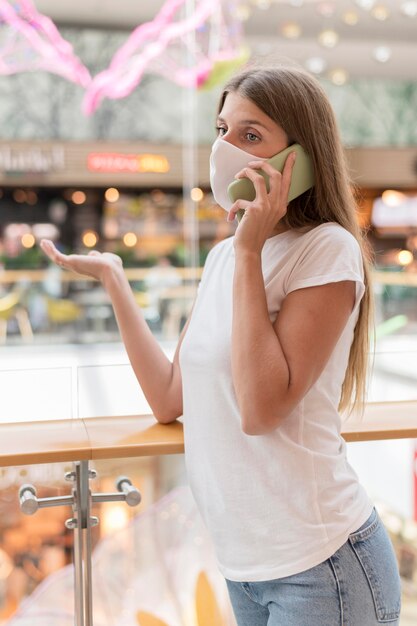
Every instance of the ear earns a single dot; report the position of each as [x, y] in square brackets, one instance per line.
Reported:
[207, 609]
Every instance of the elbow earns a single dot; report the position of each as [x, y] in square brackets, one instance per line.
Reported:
[256, 422]
[167, 416]
[251, 429]
[260, 425]
[264, 420]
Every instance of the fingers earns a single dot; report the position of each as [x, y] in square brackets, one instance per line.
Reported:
[286, 176]
[51, 251]
[237, 206]
[279, 184]
[94, 253]
[257, 180]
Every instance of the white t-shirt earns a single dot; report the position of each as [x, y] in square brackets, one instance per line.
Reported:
[280, 503]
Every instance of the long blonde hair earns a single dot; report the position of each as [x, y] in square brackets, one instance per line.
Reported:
[296, 101]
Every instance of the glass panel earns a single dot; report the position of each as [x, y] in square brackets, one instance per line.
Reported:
[107, 390]
[35, 551]
[147, 559]
[394, 377]
[394, 373]
[35, 394]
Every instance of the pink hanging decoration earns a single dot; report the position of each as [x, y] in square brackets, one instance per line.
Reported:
[30, 41]
[197, 50]
[165, 46]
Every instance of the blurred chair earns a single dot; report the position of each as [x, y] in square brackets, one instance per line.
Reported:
[148, 306]
[11, 307]
[62, 311]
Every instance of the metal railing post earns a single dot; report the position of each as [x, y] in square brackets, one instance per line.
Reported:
[81, 523]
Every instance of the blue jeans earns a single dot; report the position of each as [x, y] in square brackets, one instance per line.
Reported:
[358, 586]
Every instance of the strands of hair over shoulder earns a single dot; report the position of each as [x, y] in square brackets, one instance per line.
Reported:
[296, 101]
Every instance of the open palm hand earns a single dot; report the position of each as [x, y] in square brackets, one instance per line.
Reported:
[93, 264]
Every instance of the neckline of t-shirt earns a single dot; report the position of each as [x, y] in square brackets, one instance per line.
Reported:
[293, 232]
[281, 235]
[286, 233]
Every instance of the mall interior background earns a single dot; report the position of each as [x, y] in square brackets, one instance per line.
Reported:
[133, 178]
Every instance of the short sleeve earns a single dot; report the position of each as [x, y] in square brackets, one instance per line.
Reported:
[330, 254]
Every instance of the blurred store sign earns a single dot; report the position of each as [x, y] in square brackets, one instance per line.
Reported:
[395, 210]
[27, 160]
[117, 162]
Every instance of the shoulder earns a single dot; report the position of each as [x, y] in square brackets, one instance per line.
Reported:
[220, 248]
[329, 232]
[326, 253]
[331, 239]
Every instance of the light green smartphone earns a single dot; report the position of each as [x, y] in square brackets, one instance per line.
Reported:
[302, 177]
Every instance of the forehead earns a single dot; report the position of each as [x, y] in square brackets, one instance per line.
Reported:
[238, 107]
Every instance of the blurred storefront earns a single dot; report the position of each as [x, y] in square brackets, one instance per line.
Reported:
[128, 198]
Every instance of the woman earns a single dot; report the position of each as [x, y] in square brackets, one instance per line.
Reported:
[275, 346]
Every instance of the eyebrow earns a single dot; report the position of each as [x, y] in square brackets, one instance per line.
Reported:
[246, 122]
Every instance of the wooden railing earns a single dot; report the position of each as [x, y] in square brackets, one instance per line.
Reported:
[27, 443]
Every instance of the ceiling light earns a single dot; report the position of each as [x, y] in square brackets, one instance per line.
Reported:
[78, 197]
[405, 257]
[28, 240]
[380, 12]
[89, 238]
[350, 17]
[409, 8]
[316, 65]
[328, 38]
[111, 194]
[326, 9]
[338, 76]
[366, 5]
[391, 197]
[381, 54]
[291, 30]
[197, 194]
[130, 240]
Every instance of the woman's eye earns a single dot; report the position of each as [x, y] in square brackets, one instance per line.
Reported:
[220, 130]
[252, 137]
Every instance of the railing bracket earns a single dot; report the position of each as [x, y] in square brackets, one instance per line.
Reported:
[81, 523]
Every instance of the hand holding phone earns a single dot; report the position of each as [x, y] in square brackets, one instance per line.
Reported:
[302, 177]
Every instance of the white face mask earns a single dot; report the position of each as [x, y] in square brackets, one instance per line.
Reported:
[226, 160]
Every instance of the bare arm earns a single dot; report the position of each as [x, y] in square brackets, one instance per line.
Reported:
[274, 365]
[159, 378]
